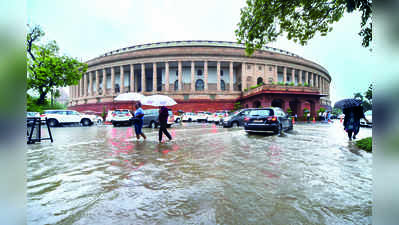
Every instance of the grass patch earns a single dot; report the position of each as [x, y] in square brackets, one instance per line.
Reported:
[365, 144]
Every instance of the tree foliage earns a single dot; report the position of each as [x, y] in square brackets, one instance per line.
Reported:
[262, 21]
[366, 99]
[47, 70]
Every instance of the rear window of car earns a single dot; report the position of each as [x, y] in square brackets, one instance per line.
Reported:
[121, 111]
[264, 112]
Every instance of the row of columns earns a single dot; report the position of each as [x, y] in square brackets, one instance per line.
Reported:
[82, 89]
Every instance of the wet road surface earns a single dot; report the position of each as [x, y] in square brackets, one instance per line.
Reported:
[206, 175]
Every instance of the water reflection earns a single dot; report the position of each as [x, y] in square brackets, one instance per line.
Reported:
[206, 174]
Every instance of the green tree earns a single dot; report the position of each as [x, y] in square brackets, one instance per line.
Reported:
[47, 70]
[262, 21]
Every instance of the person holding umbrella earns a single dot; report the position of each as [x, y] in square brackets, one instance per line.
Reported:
[139, 113]
[162, 101]
[353, 111]
[163, 120]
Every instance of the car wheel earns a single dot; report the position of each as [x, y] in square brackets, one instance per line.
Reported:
[99, 122]
[235, 124]
[53, 122]
[85, 122]
[190, 120]
[177, 120]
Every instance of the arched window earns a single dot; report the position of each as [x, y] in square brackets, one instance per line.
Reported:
[221, 72]
[199, 72]
[222, 85]
[176, 85]
[199, 85]
[260, 80]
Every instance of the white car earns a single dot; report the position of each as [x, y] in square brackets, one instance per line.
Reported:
[98, 120]
[121, 116]
[202, 116]
[60, 117]
[217, 116]
[369, 117]
[190, 117]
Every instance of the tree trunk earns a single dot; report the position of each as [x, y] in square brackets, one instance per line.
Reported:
[41, 99]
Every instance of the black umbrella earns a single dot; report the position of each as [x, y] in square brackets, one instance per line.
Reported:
[348, 103]
[180, 111]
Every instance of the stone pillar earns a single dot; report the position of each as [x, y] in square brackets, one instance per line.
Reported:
[218, 76]
[317, 80]
[85, 88]
[285, 75]
[293, 75]
[154, 77]
[243, 77]
[275, 77]
[131, 78]
[143, 88]
[192, 76]
[81, 86]
[166, 76]
[91, 83]
[300, 77]
[112, 80]
[104, 81]
[206, 75]
[179, 76]
[311, 80]
[231, 78]
[97, 83]
[122, 79]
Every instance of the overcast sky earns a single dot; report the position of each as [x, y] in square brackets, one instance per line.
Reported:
[89, 28]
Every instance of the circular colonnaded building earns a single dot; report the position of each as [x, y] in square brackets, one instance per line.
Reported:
[203, 76]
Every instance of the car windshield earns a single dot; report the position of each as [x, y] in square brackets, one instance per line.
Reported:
[121, 111]
[264, 112]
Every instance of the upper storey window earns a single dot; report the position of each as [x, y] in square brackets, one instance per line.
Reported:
[199, 72]
[221, 72]
[248, 67]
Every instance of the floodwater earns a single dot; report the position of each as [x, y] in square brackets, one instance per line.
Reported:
[206, 175]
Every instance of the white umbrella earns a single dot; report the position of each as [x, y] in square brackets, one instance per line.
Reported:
[131, 96]
[158, 100]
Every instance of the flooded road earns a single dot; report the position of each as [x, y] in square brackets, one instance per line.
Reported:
[206, 175]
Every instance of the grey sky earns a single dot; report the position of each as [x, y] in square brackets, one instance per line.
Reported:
[87, 29]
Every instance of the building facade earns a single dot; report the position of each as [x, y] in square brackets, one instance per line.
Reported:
[199, 75]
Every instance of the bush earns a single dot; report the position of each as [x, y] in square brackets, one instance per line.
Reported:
[291, 84]
[289, 111]
[253, 87]
[365, 144]
[300, 84]
[306, 84]
[280, 83]
[245, 89]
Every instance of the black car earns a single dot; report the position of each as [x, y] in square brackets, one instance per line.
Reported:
[267, 119]
[235, 119]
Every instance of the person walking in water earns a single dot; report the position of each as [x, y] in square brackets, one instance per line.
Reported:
[352, 120]
[139, 113]
[163, 120]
